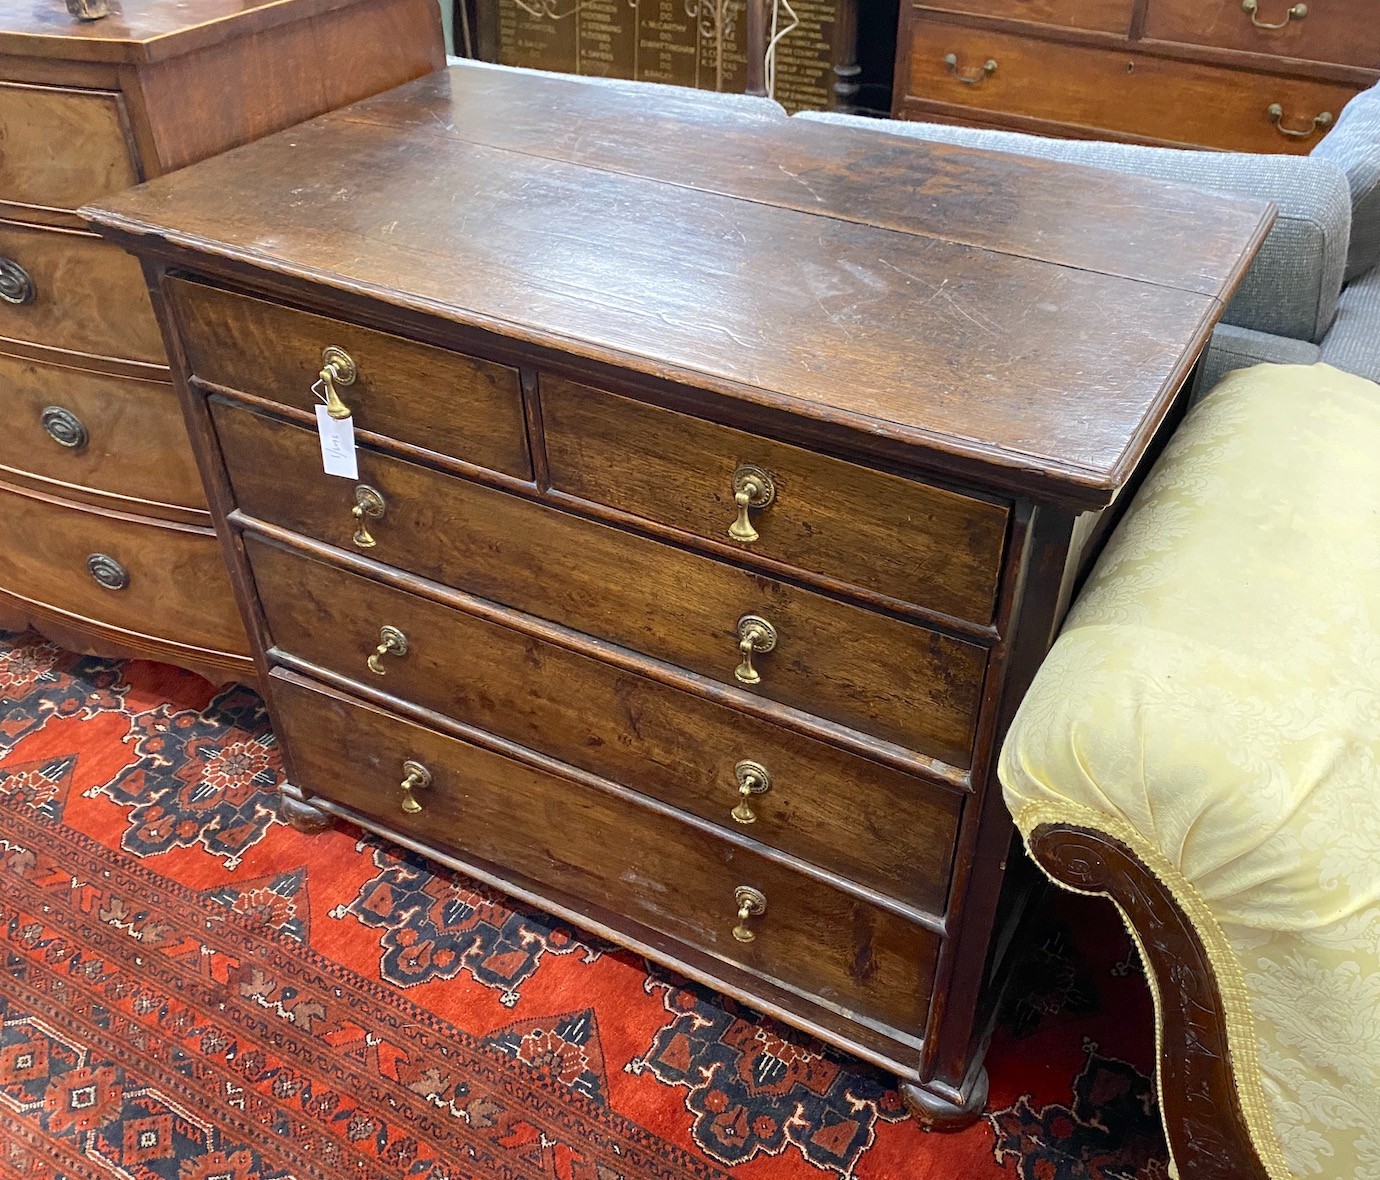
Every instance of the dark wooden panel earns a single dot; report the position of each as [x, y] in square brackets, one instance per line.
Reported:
[913, 542]
[677, 879]
[893, 680]
[1345, 31]
[448, 403]
[869, 823]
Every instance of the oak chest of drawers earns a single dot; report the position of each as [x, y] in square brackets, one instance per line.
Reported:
[106, 541]
[1244, 75]
[721, 480]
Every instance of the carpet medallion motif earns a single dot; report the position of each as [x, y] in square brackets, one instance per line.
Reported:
[193, 991]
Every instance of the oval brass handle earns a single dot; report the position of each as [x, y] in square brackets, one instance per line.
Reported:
[752, 488]
[415, 778]
[108, 572]
[369, 505]
[753, 779]
[1320, 122]
[337, 368]
[15, 284]
[392, 643]
[755, 634]
[989, 67]
[751, 903]
[63, 427]
[1251, 7]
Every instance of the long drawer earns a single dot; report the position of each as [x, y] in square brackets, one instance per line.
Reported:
[1346, 33]
[848, 814]
[1108, 16]
[160, 580]
[607, 851]
[114, 435]
[903, 683]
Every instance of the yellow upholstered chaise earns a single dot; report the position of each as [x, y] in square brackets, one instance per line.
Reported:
[1203, 745]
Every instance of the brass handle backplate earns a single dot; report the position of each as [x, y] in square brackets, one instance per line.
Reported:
[973, 78]
[753, 779]
[63, 427]
[369, 505]
[1251, 9]
[755, 635]
[750, 902]
[337, 368]
[1320, 122]
[392, 642]
[415, 778]
[108, 572]
[752, 488]
[16, 286]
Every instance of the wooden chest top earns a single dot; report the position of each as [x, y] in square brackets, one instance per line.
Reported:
[1015, 322]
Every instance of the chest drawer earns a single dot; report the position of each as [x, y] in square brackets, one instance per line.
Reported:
[609, 852]
[865, 821]
[78, 293]
[903, 683]
[908, 540]
[1346, 32]
[1108, 16]
[60, 148]
[442, 401]
[91, 430]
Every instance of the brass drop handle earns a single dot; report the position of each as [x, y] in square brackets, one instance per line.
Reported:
[755, 634]
[369, 505]
[16, 284]
[751, 902]
[752, 488]
[392, 643]
[989, 67]
[753, 779]
[1320, 122]
[337, 368]
[415, 778]
[1250, 8]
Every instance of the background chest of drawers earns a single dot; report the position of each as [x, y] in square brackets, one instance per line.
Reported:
[106, 543]
[1244, 75]
[722, 479]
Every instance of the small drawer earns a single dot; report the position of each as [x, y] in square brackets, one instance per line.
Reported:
[903, 683]
[605, 851]
[61, 147]
[1341, 33]
[162, 580]
[908, 540]
[442, 401]
[113, 435]
[1119, 91]
[863, 821]
[69, 290]
[1107, 16]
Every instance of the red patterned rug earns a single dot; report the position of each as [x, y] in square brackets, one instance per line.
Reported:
[193, 991]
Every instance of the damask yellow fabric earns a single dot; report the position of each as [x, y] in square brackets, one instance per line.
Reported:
[1214, 701]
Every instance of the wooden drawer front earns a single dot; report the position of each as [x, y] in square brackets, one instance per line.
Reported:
[1346, 32]
[864, 821]
[913, 542]
[445, 402]
[602, 849]
[1119, 91]
[176, 586]
[60, 148]
[897, 681]
[88, 296]
[1108, 16]
[109, 434]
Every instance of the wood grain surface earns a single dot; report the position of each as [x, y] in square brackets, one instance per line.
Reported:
[1346, 32]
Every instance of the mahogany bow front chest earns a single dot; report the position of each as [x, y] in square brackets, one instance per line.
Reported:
[721, 480]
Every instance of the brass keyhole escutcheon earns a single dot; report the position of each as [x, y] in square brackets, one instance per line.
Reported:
[369, 505]
[337, 368]
[751, 903]
[753, 779]
[755, 635]
[752, 488]
[392, 642]
[415, 778]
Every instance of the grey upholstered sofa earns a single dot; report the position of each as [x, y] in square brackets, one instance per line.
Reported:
[1313, 294]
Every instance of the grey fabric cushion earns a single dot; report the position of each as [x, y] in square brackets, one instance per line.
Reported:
[1354, 146]
[1290, 290]
[1354, 342]
[1240, 348]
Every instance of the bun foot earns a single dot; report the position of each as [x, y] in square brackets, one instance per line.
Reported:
[296, 811]
[936, 1112]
